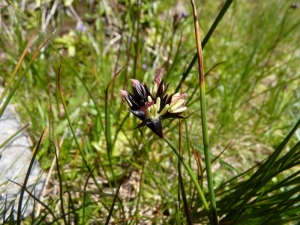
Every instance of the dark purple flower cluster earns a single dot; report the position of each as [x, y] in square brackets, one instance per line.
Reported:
[154, 104]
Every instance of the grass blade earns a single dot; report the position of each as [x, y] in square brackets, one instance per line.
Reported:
[204, 119]
[191, 174]
[205, 40]
[13, 136]
[19, 214]
[22, 75]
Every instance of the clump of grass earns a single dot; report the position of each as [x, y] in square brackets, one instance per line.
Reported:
[100, 169]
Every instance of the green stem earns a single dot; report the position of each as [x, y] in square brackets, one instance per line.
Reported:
[207, 153]
[204, 118]
[109, 148]
[190, 172]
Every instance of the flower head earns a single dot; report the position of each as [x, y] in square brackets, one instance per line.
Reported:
[154, 104]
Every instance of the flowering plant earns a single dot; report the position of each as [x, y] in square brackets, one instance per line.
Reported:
[154, 104]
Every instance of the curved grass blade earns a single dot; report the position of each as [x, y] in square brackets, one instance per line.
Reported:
[191, 174]
[13, 90]
[205, 40]
[19, 214]
[36, 199]
[112, 205]
[108, 135]
[204, 119]
[60, 190]
[183, 193]
[13, 136]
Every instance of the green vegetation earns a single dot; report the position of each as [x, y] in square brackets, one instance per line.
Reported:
[101, 170]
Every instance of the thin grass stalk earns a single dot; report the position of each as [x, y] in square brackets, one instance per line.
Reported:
[19, 214]
[175, 59]
[191, 174]
[41, 219]
[108, 135]
[200, 171]
[183, 193]
[120, 127]
[137, 43]
[191, 190]
[70, 124]
[113, 205]
[71, 205]
[204, 119]
[123, 19]
[13, 136]
[11, 218]
[60, 189]
[35, 198]
[84, 194]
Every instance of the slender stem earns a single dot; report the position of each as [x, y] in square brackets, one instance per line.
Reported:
[180, 181]
[108, 135]
[204, 119]
[191, 174]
